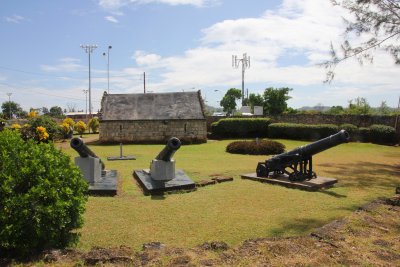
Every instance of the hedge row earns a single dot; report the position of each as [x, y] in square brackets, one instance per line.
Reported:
[301, 131]
[378, 134]
[240, 127]
[261, 127]
[261, 147]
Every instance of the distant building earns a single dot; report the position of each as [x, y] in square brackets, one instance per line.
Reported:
[152, 117]
[77, 116]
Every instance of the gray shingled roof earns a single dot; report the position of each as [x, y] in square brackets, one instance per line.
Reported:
[152, 106]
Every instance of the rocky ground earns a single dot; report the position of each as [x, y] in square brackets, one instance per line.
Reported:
[368, 237]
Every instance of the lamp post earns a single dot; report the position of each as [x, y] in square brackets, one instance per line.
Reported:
[108, 68]
[9, 103]
[85, 92]
[89, 49]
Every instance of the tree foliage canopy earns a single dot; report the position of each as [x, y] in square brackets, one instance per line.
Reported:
[228, 102]
[11, 108]
[376, 20]
[275, 100]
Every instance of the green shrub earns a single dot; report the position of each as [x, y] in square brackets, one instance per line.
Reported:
[301, 131]
[30, 130]
[80, 127]
[382, 134]
[93, 124]
[262, 147]
[363, 135]
[240, 127]
[42, 196]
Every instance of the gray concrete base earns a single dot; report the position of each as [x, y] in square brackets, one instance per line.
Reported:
[151, 186]
[107, 184]
[310, 185]
[122, 158]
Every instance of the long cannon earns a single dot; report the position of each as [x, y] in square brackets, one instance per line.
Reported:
[169, 150]
[320, 145]
[297, 163]
[79, 146]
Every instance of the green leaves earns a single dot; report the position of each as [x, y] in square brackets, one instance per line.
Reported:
[42, 195]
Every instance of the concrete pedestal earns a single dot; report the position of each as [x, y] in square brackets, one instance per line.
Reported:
[310, 185]
[101, 182]
[153, 187]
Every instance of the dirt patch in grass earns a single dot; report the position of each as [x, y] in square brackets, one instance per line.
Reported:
[369, 236]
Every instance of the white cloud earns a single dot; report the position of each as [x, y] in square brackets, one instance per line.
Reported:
[111, 19]
[142, 58]
[66, 64]
[304, 28]
[15, 19]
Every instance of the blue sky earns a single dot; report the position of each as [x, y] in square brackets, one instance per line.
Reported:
[181, 45]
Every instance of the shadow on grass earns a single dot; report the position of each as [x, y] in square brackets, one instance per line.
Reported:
[158, 197]
[299, 226]
[365, 175]
[333, 194]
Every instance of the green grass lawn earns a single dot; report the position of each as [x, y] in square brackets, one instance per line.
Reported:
[232, 211]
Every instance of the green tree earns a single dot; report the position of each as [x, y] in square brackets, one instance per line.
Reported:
[335, 110]
[11, 108]
[94, 124]
[275, 100]
[375, 21]
[56, 112]
[255, 100]
[80, 127]
[384, 109]
[359, 106]
[45, 110]
[228, 102]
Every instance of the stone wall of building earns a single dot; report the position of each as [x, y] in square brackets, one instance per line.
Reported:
[153, 131]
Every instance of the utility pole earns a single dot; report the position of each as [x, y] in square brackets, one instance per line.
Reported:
[89, 49]
[245, 65]
[144, 82]
[9, 103]
[85, 92]
[108, 68]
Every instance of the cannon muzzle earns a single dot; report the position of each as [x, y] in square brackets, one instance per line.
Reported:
[321, 145]
[83, 150]
[169, 150]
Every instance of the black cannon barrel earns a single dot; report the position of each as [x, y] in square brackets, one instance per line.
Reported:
[321, 145]
[83, 151]
[169, 150]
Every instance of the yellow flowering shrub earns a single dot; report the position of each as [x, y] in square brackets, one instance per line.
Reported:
[42, 133]
[33, 114]
[16, 127]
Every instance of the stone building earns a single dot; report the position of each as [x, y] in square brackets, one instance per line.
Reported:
[152, 117]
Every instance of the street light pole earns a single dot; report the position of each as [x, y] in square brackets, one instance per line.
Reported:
[89, 49]
[85, 92]
[9, 103]
[108, 68]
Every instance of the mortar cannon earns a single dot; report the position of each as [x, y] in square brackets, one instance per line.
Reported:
[162, 175]
[100, 181]
[297, 163]
[79, 146]
[169, 150]
[162, 168]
